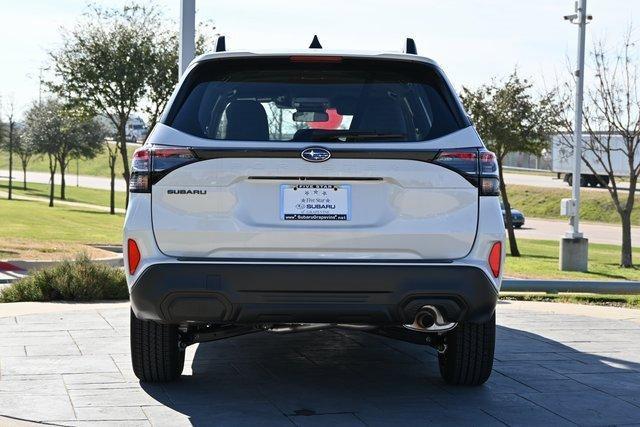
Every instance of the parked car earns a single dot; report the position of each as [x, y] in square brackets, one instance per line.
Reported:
[385, 220]
[517, 217]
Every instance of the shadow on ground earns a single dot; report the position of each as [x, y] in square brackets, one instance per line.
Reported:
[353, 378]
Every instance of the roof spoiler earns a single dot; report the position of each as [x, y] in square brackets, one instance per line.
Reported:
[221, 45]
[410, 47]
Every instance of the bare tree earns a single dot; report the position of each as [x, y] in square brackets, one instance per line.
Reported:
[612, 124]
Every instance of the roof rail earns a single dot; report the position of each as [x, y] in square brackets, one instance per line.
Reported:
[410, 47]
[315, 43]
[221, 45]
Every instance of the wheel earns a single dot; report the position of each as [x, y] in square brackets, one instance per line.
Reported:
[583, 181]
[468, 355]
[568, 178]
[155, 352]
[518, 226]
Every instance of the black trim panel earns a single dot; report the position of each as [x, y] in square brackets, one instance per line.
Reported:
[252, 293]
[295, 153]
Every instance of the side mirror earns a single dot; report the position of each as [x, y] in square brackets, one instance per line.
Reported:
[310, 116]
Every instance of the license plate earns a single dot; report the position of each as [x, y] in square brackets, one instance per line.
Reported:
[315, 202]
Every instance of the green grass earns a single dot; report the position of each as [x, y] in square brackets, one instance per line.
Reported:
[37, 221]
[540, 260]
[98, 166]
[78, 280]
[539, 202]
[629, 301]
[73, 193]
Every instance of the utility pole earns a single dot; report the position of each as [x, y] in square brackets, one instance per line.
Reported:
[573, 246]
[187, 34]
[12, 131]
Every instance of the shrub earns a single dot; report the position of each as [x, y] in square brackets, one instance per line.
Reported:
[77, 280]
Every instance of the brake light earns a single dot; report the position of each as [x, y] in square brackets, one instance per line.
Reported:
[489, 181]
[480, 167]
[495, 259]
[316, 58]
[133, 255]
[140, 168]
[464, 161]
[149, 165]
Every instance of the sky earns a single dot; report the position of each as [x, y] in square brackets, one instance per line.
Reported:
[473, 40]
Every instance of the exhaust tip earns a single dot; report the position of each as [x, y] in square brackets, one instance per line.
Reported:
[429, 319]
[425, 319]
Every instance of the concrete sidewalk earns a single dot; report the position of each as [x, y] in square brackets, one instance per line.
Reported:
[555, 364]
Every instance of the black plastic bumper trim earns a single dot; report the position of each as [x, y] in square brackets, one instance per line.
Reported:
[251, 293]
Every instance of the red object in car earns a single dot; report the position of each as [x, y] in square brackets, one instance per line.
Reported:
[335, 120]
[133, 255]
[495, 259]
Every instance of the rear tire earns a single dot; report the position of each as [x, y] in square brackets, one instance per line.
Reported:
[468, 357]
[155, 352]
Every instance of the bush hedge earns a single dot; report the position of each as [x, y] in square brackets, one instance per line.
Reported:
[71, 280]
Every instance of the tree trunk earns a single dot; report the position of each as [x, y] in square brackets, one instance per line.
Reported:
[24, 175]
[122, 136]
[513, 245]
[52, 174]
[63, 169]
[626, 259]
[112, 196]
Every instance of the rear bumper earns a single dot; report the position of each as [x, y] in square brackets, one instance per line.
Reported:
[308, 292]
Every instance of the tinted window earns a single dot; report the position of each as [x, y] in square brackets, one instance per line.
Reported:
[280, 99]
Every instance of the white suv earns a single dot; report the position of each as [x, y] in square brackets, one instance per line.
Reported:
[294, 191]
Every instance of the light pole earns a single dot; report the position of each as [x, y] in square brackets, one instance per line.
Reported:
[187, 34]
[573, 246]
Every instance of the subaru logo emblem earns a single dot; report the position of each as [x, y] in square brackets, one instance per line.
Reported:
[316, 154]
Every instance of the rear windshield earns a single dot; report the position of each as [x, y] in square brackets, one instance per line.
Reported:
[296, 99]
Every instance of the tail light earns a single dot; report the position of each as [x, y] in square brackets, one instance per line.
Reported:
[133, 255]
[140, 171]
[495, 259]
[480, 167]
[149, 165]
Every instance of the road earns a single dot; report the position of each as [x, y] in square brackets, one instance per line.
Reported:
[548, 229]
[555, 364]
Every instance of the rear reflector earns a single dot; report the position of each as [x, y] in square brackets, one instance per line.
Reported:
[495, 259]
[133, 255]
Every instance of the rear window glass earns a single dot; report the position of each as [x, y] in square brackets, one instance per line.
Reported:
[292, 99]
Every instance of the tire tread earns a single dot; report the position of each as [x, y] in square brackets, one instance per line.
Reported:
[468, 358]
[155, 354]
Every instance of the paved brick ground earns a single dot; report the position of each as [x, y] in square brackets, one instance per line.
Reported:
[554, 369]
